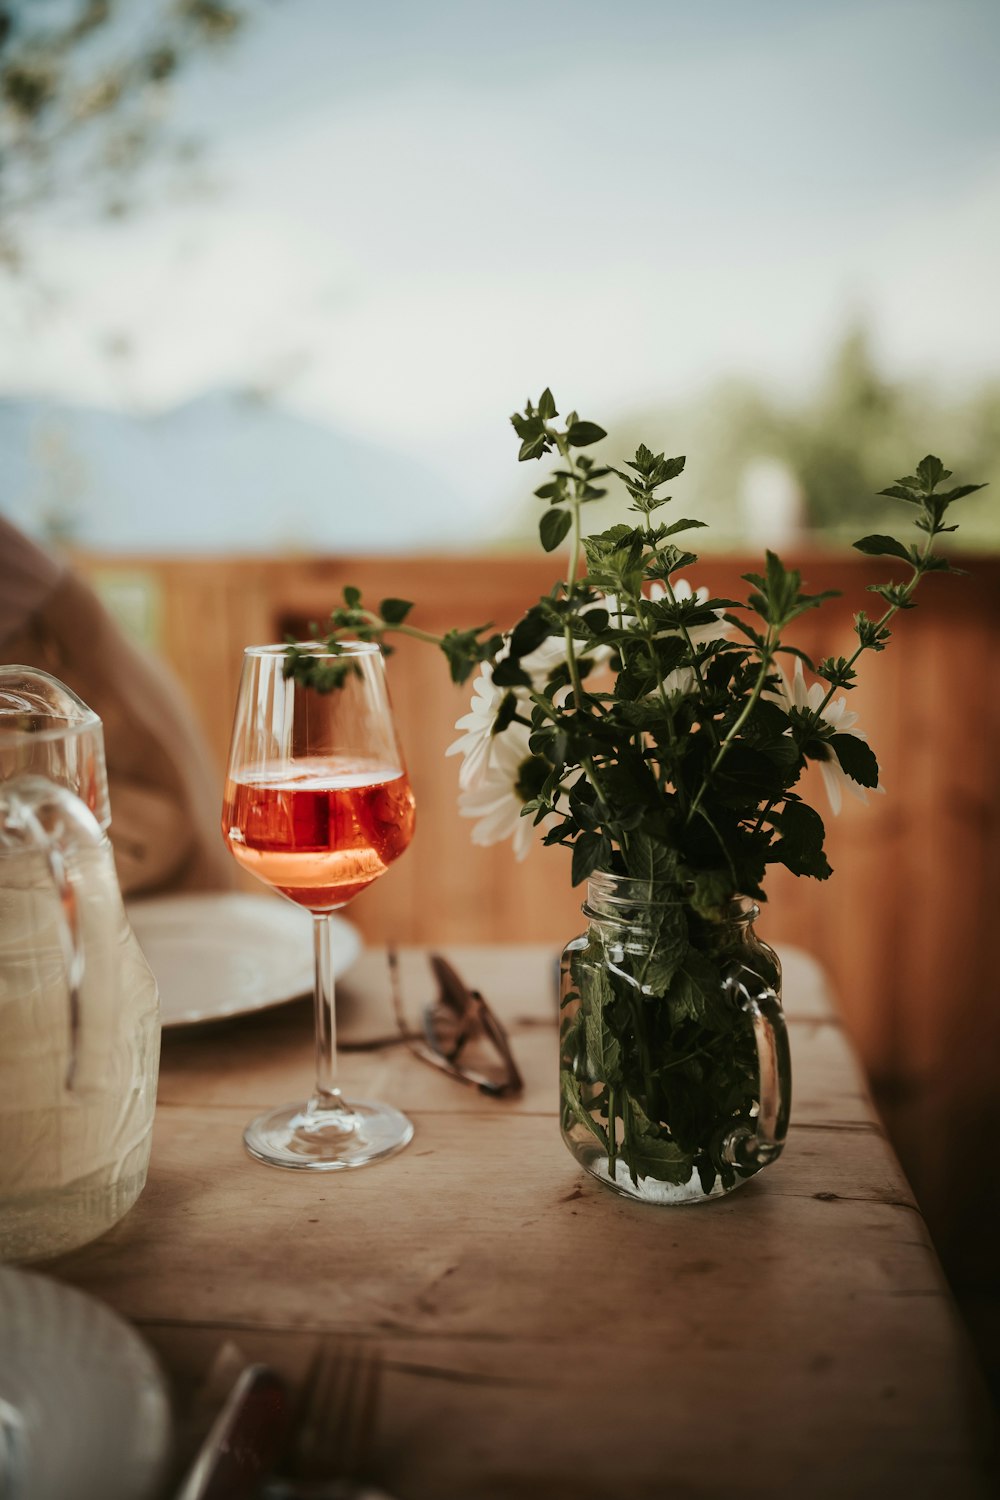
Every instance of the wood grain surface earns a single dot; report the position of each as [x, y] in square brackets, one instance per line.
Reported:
[540, 1335]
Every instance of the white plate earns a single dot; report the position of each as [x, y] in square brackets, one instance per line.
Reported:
[83, 1407]
[225, 953]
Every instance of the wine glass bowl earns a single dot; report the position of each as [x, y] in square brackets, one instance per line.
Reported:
[319, 830]
[317, 805]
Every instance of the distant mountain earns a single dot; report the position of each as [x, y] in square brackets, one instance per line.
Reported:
[224, 472]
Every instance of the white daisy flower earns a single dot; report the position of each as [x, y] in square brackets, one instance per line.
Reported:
[842, 720]
[497, 798]
[477, 744]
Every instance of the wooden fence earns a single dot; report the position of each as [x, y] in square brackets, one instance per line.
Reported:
[904, 926]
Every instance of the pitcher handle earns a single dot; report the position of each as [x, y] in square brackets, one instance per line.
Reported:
[68, 922]
[754, 1148]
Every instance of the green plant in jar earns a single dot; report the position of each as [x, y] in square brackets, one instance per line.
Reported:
[662, 735]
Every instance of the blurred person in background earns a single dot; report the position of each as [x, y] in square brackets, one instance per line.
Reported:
[164, 788]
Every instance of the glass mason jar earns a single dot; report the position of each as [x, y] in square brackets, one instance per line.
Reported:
[675, 1077]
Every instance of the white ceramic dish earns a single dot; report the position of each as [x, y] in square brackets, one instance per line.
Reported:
[83, 1406]
[219, 954]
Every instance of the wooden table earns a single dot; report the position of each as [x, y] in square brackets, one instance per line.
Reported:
[542, 1336]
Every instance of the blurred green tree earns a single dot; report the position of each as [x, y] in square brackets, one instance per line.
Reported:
[83, 100]
[836, 448]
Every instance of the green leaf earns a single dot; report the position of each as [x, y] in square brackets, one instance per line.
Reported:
[352, 597]
[777, 599]
[529, 632]
[801, 845]
[547, 406]
[671, 560]
[882, 546]
[649, 1155]
[553, 527]
[706, 1174]
[582, 434]
[937, 564]
[533, 447]
[958, 493]
[588, 852]
[696, 994]
[902, 492]
[509, 673]
[669, 949]
[654, 468]
[650, 860]
[682, 525]
[604, 1052]
[857, 759]
[712, 890]
[837, 670]
[782, 583]
[648, 1152]
[465, 651]
[871, 635]
[530, 425]
[930, 471]
[394, 611]
[573, 1103]
[631, 780]
[670, 651]
[595, 622]
[767, 732]
[893, 593]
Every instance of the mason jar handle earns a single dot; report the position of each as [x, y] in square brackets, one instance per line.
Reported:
[752, 1148]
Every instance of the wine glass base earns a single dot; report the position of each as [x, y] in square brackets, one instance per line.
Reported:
[307, 1138]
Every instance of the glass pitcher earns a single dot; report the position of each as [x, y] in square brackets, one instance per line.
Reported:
[79, 1018]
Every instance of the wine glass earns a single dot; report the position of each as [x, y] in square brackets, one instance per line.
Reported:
[318, 805]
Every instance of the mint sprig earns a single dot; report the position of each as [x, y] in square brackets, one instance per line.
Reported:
[662, 745]
[686, 735]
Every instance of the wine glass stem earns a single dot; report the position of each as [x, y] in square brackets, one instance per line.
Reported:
[328, 1095]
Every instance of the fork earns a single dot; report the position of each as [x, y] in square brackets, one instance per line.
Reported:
[333, 1426]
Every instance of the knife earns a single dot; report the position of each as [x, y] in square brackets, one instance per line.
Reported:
[243, 1442]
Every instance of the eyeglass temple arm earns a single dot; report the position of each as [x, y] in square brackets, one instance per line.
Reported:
[465, 1002]
[471, 1003]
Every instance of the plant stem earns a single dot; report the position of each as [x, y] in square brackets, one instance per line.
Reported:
[766, 657]
[575, 530]
[649, 636]
[572, 664]
[415, 634]
[918, 572]
[377, 623]
[772, 802]
[695, 666]
[721, 842]
[612, 1133]
[628, 1149]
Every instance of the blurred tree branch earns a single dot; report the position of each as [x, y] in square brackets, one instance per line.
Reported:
[84, 88]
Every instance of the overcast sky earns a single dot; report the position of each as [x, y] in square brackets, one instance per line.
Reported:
[427, 211]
